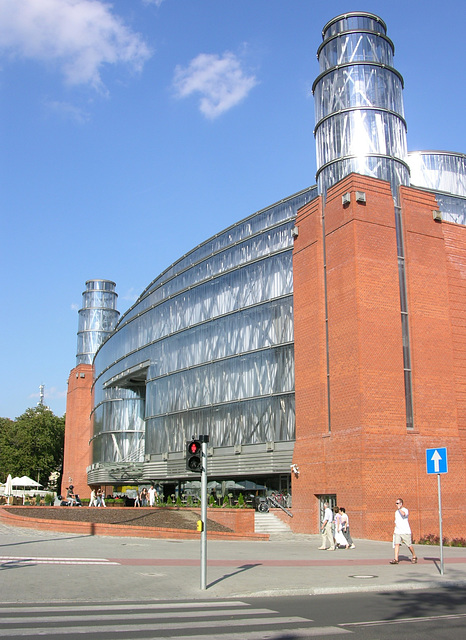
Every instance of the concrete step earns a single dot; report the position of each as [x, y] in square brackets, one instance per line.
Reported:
[269, 523]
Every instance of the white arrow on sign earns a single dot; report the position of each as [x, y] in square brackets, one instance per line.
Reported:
[436, 457]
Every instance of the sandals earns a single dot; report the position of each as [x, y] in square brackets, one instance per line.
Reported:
[413, 561]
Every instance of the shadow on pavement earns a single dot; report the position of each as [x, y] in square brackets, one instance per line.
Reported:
[244, 567]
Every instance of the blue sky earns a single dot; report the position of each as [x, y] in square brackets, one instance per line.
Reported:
[132, 131]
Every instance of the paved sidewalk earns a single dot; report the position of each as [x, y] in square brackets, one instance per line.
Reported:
[42, 566]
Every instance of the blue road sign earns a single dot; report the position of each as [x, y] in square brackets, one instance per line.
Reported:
[436, 460]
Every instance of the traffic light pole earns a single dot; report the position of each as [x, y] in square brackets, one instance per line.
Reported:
[204, 440]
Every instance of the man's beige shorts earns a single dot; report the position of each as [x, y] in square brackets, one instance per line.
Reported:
[398, 538]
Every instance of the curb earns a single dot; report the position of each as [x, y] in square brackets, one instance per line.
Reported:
[321, 591]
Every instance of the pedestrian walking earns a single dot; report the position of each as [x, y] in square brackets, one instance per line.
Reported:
[93, 498]
[100, 498]
[152, 495]
[326, 528]
[340, 540]
[345, 529]
[402, 532]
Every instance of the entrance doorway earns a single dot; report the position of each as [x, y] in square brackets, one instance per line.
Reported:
[331, 498]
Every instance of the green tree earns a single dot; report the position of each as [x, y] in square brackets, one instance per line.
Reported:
[32, 444]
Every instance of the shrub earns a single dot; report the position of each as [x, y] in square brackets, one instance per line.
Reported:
[433, 539]
[240, 501]
[458, 542]
[430, 538]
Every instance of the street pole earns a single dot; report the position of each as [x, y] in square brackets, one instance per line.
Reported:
[440, 524]
[204, 440]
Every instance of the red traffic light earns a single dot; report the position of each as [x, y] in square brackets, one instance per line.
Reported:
[194, 456]
[194, 447]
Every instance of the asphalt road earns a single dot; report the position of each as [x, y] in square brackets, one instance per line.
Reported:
[432, 614]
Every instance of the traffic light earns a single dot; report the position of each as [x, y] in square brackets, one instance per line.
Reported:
[193, 456]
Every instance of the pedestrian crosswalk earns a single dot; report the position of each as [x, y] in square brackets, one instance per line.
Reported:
[196, 620]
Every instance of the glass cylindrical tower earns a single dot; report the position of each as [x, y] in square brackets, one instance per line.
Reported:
[97, 318]
[360, 125]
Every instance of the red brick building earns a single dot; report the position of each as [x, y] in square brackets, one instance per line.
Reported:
[340, 354]
[352, 439]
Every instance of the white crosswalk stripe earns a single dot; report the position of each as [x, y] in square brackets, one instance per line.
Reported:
[217, 620]
[41, 560]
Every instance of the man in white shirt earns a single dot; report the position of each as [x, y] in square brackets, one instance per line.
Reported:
[402, 532]
[152, 495]
[327, 535]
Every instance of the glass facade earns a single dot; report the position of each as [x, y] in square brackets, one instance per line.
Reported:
[207, 347]
[360, 125]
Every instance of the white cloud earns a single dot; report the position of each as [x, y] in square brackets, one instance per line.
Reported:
[220, 81]
[68, 111]
[80, 36]
[74, 306]
[156, 2]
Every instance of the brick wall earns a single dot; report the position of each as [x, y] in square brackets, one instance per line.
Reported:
[361, 450]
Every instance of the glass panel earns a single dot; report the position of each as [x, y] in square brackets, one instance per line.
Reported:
[409, 401]
[402, 280]
[252, 421]
[353, 22]
[360, 133]
[381, 168]
[261, 281]
[439, 171]
[358, 86]
[257, 374]
[355, 47]
[453, 209]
